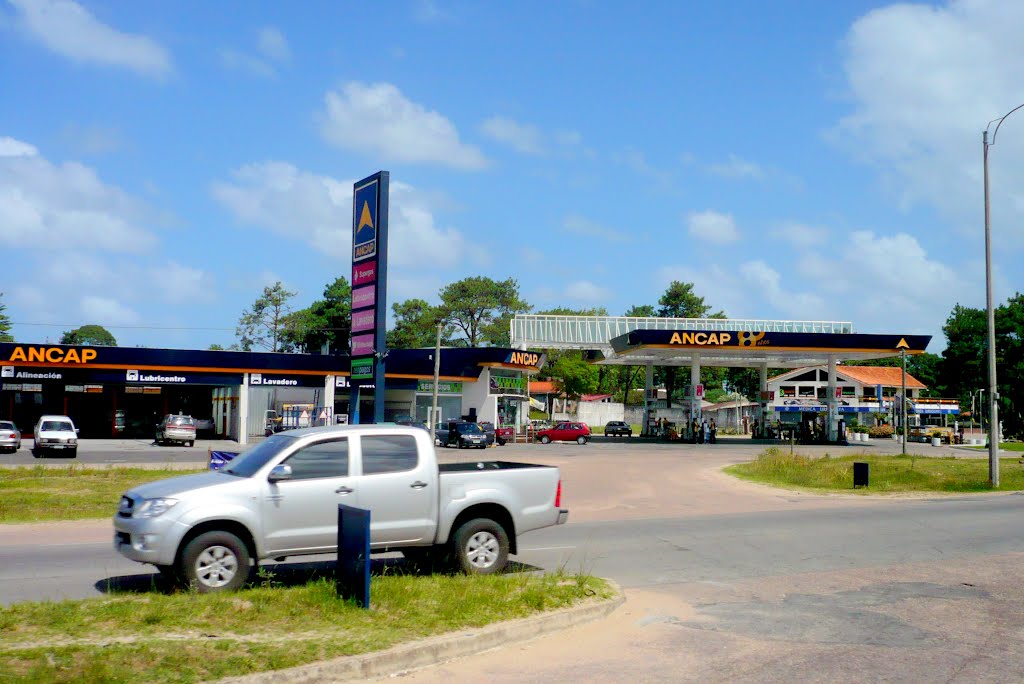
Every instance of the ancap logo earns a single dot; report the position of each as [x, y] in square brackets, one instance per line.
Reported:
[701, 338]
[52, 355]
[750, 339]
[524, 358]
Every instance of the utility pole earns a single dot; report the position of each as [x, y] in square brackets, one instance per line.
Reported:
[903, 398]
[433, 391]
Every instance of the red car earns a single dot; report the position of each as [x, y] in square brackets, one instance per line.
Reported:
[565, 432]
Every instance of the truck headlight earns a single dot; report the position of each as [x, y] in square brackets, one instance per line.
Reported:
[150, 508]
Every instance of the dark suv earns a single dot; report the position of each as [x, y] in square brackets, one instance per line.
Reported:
[616, 428]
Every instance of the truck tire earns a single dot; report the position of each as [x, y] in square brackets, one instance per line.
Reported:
[480, 547]
[215, 561]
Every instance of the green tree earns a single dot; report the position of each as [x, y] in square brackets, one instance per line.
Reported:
[215, 347]
[480, 309]
[577, 375]
[5, 322]
[325, 321]
[629, 377]
[264, 325]
[91, 335]
[680, 301]
[416, 325]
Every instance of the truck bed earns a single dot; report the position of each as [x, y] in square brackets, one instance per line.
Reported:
[486, 465]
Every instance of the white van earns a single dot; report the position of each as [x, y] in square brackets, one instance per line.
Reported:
[55, 434]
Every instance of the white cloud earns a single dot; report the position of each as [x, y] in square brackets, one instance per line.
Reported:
[636, 161]
[587, 292]
[110, 311]
[924, 80]
[236, 60]
[9, 147]
[67, 206]
[766, 281]
[579, 225]
[279, 197]
[272, 48]
[67, 28]
[801, 235]
[737, 168]
[92, 140]
[523, 138]
[377, 118]
[273, 44]
[712, 226]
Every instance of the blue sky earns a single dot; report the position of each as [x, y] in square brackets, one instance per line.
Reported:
[161, 162]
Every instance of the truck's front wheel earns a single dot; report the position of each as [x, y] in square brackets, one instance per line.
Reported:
[215, 561]
[481, 547]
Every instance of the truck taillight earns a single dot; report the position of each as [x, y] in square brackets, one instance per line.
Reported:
[558, 495]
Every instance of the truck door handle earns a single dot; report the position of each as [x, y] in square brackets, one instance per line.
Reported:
[343, 490]
[418, 485]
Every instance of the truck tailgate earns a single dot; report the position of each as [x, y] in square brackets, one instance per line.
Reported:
[527, 490]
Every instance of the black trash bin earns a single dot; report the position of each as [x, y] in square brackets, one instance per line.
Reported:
[860, 475]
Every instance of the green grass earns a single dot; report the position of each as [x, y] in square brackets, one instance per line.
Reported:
[887, 473]
[187, 637]
[1003, 446]
[41, 493]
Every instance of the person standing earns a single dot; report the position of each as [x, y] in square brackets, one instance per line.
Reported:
[714, 431]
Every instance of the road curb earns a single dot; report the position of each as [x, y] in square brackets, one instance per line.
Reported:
[437, 649]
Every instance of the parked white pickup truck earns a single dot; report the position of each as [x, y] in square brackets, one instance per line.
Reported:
[280, 497]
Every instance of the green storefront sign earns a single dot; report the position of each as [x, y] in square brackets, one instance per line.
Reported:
[503, 384]
[442, 387]
[362, 369]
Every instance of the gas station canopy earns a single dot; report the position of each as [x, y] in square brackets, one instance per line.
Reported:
[741, 348]
[638, 341]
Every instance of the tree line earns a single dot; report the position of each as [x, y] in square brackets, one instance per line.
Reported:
[476, 311]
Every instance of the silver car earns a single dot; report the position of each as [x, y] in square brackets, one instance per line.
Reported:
[10, 436]
[176, 428]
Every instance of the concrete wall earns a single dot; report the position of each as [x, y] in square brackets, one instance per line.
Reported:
[599, 412]
[476, 395]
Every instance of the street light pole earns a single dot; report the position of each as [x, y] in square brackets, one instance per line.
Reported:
[903, 399]
[993, 390]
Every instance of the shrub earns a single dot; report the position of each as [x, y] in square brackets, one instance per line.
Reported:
[881, 431]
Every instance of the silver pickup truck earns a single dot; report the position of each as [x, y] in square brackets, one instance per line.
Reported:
[279, 499]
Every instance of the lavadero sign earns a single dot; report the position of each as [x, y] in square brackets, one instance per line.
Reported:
[264, 380]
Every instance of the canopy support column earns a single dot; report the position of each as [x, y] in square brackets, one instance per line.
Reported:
[832, 402]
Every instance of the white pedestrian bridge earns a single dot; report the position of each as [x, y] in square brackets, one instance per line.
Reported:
[540, 331]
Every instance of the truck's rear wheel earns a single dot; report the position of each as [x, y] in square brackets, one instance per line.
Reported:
[215, 561]
[481, 547]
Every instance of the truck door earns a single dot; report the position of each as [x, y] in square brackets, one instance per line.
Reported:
[398, 485]
[301, 514]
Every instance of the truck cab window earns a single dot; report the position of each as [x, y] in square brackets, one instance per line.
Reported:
[388, 454]
[325, 459]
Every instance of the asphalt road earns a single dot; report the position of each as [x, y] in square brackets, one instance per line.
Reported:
[725, 581]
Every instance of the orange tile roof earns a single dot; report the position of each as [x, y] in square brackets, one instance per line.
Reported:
[878, 375]
[544, 387]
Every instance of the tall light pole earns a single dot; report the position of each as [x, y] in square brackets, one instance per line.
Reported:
[993, 391]
[903, 399]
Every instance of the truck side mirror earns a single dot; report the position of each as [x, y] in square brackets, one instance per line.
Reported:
[280, 473]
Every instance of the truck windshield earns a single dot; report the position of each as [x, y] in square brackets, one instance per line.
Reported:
[251, 460]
